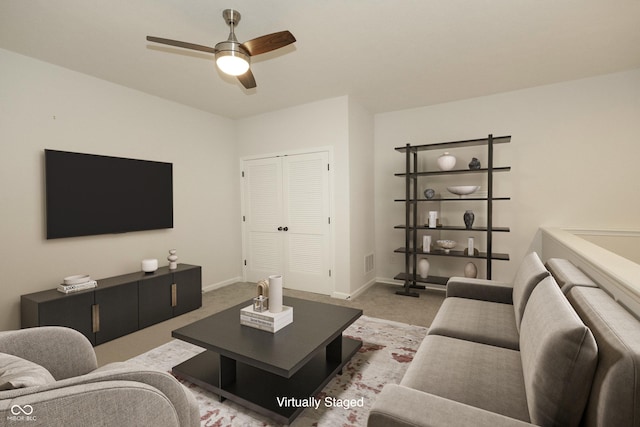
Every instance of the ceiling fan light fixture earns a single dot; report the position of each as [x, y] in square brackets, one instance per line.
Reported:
[232, 57]
[232, 62]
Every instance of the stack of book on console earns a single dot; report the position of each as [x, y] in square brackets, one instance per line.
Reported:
[76, 283]
[266, 320]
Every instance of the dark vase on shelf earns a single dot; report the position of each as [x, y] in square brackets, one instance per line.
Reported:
[429, 193]
[468, 219]
[474, 164]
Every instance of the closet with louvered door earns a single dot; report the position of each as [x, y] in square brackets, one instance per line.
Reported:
[286, 220]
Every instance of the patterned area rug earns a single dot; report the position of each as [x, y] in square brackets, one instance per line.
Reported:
[388, 348]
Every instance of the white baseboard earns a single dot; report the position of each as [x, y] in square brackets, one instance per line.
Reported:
[361, 289]
[338, 295]
[389, 281]
[222, 284]
[401, 283]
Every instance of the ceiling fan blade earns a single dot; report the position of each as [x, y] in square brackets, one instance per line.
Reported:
[184, 45]
[268, 43]
[247, 79]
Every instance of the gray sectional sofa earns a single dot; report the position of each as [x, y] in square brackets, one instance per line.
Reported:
[49, 377]
[549, 349]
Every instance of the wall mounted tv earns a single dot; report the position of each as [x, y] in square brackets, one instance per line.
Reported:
[87, 194]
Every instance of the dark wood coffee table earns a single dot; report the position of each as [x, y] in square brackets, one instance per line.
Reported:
[257, 369]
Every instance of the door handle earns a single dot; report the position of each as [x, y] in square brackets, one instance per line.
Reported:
[286, 229]
[279, 228]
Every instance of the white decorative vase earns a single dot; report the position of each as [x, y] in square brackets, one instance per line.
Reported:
[446, 162]
[173, 259]
[423, 268]
[275, 293]
[470, 270]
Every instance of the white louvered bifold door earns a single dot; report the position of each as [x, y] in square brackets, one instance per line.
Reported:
[263, 216]
[287, 225]
[306, 212]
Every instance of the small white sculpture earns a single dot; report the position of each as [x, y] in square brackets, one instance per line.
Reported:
[173, 259]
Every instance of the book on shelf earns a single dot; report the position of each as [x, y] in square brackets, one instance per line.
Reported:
[66, 289]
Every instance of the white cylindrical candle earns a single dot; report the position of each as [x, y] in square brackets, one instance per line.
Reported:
[275, 293]
[433, 219]
[426, 243]
[471, 246]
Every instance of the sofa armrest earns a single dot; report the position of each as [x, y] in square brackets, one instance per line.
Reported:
[399, 406]
[110, 403]
[183, 400]
[64, 352]
[480, 289]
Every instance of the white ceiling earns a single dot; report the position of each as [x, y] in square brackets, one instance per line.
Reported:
[387, 54]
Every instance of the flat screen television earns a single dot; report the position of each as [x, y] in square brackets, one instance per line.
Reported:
[88, 194]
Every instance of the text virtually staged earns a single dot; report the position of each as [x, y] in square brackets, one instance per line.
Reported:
[314, 402]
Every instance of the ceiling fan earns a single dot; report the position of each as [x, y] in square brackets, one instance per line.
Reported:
[233, 57]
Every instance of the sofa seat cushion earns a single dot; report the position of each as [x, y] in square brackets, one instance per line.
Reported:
[615, 394]
[480, 321]
[559, 356]
[475, 374]
[16, 372]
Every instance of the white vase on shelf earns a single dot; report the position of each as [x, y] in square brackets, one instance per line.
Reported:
[423, 268]
[446, 162]
[470, 270]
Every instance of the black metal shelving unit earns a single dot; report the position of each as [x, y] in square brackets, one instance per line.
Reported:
[410, 249]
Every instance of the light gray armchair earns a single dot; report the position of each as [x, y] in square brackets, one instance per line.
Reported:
[72, 391]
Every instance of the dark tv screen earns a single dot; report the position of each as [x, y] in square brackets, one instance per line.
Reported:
[87, 194]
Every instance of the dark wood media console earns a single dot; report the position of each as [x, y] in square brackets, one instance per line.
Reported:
[118, 305]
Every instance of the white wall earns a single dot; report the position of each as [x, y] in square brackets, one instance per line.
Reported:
[44, 106]
[574, 156]
[361, 201]
[325, 123]
[624, 243]
[310, 126]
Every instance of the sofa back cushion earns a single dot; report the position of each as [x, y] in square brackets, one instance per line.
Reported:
[615, 394]
[529, 274]
[568, 275]
[559, 357]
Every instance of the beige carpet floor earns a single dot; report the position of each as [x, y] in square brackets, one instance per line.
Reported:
[378, 301]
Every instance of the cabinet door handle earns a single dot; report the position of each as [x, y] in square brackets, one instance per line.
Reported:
[95, 318]
[174, 295]
[279, 228]
[286, 229]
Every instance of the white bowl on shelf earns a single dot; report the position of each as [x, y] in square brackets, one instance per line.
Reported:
[463, 190]
[77, 279]
[447, 245]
